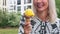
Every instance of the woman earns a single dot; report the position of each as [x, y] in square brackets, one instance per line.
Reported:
[45, 20]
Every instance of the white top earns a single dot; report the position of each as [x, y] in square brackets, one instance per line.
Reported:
[38, 27]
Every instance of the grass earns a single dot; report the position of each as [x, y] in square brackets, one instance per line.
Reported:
[9, 31]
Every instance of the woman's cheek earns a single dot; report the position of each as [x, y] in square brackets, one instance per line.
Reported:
[45, 1]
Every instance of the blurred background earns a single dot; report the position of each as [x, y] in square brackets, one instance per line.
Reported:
[11, 11]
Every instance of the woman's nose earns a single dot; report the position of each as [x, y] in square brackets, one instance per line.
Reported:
[39, 0]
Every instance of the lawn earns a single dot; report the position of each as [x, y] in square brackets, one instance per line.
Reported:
[9, 31]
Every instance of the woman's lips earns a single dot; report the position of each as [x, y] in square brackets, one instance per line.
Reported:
[39, 5]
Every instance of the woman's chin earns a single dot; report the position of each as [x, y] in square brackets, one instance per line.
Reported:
[40, 9]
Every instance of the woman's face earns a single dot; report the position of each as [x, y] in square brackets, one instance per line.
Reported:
[40, 5]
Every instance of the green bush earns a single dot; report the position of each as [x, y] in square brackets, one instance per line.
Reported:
[58, 7]
[58, 4]
[14, 19]
[3, 18]
[10, 19]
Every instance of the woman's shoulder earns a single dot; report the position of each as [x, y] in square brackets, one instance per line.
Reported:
[58, 21]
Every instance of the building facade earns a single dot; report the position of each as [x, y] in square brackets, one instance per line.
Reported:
[3, 5]
[15, 5]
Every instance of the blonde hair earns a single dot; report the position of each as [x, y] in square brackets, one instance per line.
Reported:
[52, 11]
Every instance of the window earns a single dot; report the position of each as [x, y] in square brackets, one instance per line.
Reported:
[29, 6]
[15, 7]
[14, 2]
[3, 9]
[19, 8]
[10, 2]
[24, 1]
[24, 7]
[28, 1]
[18, 2]
[5, 2]
[11, 6]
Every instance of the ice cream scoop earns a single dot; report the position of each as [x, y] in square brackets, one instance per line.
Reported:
[29, 12]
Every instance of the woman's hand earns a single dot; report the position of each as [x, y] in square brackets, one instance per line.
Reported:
[27, 26]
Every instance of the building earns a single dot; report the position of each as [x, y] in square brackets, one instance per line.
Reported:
[3, 5]
[12, 5]
[15, 5]
[25, 4]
